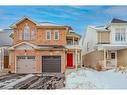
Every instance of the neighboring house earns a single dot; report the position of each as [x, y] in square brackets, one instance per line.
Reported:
[43, 47]
[106, 46]
[5, 43]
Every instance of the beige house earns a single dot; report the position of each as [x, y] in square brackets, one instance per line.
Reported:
[106, 46]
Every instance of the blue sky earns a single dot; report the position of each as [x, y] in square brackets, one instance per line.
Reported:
[78, 17]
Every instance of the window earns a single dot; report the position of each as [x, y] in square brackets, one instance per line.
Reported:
[120, 34]
[47, 35]
[33, 34]
[112, 55]
[27, 32]
[56, 35]
[69, 42]
[20, 35]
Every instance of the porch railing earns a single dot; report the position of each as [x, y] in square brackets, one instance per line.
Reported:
[107, 64]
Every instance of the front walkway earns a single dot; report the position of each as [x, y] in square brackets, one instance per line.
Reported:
[4, 72]
[92, 79]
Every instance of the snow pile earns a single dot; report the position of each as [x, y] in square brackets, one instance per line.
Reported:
[91, 79]
[77, 80]
[12, 84]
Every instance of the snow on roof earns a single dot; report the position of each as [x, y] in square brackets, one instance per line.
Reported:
[100, 28]
[48, 24]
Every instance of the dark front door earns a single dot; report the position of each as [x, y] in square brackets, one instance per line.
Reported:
[69, 60]
[51, 64]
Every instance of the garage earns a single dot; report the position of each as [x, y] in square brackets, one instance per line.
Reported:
[26, 64]
[51, 64]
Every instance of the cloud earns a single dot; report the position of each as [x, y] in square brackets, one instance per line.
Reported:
[118, 11]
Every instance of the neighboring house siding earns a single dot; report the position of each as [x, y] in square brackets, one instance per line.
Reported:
[112, 33]
[89, 41]
[122, 57]
[103, 37]
[93, 58]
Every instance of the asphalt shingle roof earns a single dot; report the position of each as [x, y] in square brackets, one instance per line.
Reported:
[115, 20]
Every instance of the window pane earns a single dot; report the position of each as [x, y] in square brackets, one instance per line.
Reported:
[56, 35]
[33, 35]
[27, 32]
[112, 55]
[20, 35]
[120, 34]
[48, 35]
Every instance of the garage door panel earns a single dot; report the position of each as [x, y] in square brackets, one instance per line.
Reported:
[26, 64]
[51, 64]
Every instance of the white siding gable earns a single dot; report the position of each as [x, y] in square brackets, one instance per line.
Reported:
[113, 31]
[90, 39]
[24, 47]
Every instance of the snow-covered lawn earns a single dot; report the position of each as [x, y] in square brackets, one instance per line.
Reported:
[92, 79]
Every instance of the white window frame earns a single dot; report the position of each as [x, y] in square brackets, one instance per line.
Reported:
[20, 35]
[120, 35]
[49, 34]
[56, 31]
[33, 34]
[25, 37]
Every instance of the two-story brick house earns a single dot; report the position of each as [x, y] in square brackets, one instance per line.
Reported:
[42, 47]
[106, 46]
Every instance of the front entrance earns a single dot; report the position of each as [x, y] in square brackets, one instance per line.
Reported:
[111, 63]
[69, 60]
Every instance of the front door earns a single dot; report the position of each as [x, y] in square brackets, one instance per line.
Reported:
[69, 60]
[113, 59]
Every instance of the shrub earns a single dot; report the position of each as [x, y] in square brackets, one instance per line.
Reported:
[98, 67]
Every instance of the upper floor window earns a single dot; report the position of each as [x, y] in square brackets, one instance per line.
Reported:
[56, 35]
[27, 32]
[120, 34]
[32, 36]
[48, 36]
[69, 42]
[20, 35]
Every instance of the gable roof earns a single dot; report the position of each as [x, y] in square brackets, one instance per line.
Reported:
[27, 43]
[20, 20]
[38, 24]
[115, 20]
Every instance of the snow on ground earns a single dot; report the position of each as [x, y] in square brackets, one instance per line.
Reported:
[92, 79]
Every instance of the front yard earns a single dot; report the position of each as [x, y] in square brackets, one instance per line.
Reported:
[83, 78]
[91, 79]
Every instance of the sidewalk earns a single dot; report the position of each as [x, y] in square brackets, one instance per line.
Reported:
[4, 72]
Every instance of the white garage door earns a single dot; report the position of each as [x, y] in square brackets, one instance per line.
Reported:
[26, 64]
